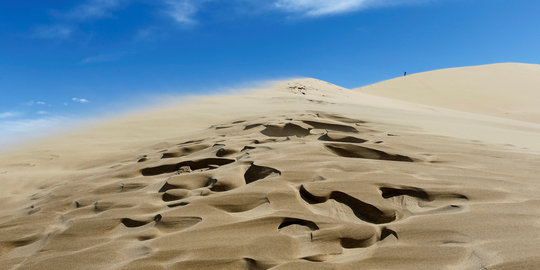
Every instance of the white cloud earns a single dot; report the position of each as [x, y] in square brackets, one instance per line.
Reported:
[327, 7]
[80, 100]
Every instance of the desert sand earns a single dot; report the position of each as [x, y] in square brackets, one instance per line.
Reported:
[438, 170]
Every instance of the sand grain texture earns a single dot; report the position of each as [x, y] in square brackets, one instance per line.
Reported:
[303, 175]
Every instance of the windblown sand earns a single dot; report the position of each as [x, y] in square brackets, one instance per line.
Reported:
[302, 175]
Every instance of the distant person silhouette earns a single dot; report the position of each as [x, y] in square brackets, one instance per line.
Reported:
[405, 74]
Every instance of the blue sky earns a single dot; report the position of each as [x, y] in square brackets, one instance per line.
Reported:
[66, 60]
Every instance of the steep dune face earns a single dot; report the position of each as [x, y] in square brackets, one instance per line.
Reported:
[502, 90]
[304, 175]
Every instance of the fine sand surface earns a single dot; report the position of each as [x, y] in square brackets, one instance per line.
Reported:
[503, 90]
[302, 175]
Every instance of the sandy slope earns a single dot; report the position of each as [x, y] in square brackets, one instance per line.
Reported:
[303, 175]
[507, 90]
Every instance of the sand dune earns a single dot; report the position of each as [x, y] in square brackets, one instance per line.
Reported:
[504, 90]
[302, 175]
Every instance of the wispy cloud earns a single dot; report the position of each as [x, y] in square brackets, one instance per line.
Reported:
[5, 115]
[90, 10]
[182, 11]
[32, 103]
[53, 31]
[23, 125]
[316, 8]
[102, 58]
[80, 100]
[18, 130]
[65, 22]
[144, 34]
